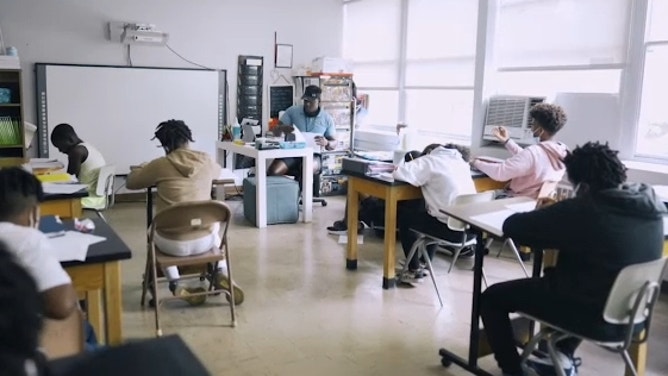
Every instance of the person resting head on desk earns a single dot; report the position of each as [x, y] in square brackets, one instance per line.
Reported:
[308, 117]
[182, 175]
[83, 161]
[443, 173]
[607, 226]
[528, 168]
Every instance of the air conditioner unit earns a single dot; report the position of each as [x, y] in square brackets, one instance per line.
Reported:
[511, 112]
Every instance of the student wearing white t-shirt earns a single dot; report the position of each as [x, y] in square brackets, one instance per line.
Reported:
[20, 194]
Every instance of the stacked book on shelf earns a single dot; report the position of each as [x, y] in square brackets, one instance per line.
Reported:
[10, 131]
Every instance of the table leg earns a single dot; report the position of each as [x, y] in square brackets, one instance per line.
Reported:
[149, 206]
[448, 357]
[307, 187]
[113, 302]
[94, 313]
[353, 210]
[261, 192]
[638, 354]
[389, 259]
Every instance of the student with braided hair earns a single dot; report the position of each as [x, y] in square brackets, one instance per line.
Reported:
[83, 161]
[607, 226]
[182, 175]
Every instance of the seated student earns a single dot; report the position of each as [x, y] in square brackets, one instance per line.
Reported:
[20, 319]
[529, 168]
[83, 161]
[182, 175]
[307, 117]
[20, 195]
[597, 233]
[443, 173]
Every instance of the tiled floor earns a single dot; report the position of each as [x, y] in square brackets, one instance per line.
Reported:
[306, 314]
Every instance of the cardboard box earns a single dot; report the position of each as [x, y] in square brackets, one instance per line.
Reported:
[331, 65]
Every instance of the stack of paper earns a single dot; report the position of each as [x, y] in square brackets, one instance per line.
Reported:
[62, 188]
[73, 246]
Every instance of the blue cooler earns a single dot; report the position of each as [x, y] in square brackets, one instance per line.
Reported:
[282, 200]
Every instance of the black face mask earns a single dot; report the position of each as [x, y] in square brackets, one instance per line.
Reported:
[312, 114]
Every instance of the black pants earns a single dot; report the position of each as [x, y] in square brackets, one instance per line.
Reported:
[537, 298]
[413, 215]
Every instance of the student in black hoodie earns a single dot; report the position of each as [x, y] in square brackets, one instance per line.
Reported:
[606, 227]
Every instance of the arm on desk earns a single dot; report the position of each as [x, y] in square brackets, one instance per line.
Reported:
[415, 172]
[512, 167]
[146, 175]
[556, 226]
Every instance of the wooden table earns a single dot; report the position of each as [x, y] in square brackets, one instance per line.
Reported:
[66, 206]
[99, 278]
[392, 192]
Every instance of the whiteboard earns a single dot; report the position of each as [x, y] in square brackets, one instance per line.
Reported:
[116, 109]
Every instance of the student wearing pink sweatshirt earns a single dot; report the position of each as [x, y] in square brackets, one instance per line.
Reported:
[528, 168]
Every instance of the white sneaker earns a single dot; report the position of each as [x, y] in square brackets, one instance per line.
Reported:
[412, 277]
[545, 366]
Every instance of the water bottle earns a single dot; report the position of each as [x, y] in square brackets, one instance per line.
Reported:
[236, 130]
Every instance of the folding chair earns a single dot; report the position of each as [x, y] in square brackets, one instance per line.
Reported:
[105, 187]
[630, 305]
[178, 218]
[424, 240]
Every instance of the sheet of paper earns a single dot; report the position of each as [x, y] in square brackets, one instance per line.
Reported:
[522, 207]
[494, 219]
[309, 138]
[73, 246]
[343, 239]
[62, 188]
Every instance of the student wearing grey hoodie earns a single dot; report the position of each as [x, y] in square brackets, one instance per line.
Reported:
[181, 175]
[607, 226]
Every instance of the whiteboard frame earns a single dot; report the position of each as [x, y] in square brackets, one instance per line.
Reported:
[42, 105]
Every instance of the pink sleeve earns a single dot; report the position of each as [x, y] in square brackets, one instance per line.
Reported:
[512, 147]
[515, 166]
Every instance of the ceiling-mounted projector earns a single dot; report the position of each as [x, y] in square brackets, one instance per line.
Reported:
[143, 34]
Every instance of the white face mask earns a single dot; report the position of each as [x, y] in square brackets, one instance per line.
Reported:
[34, 219]
[576, 189]
[536, 134]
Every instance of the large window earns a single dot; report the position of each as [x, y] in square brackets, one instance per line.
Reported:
[415, 59]
[652, 132]
[539, 33]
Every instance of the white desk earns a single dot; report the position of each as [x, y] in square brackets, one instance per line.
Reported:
[261, 157]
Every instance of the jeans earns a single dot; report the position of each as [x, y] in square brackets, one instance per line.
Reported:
[413, 215]
[90, 343]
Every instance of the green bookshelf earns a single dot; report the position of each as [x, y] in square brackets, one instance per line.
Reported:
[12, 148]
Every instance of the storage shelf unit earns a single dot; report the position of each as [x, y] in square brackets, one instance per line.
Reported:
[338, 101]
[12, 149]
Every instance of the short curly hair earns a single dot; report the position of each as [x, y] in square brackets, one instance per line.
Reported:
[596, 165]
[549, 117]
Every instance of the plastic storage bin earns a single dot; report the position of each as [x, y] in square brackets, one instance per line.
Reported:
[282, 200]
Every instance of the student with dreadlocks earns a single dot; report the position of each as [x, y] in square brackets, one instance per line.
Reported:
[83, 161]
[181, 175]
[597, 233]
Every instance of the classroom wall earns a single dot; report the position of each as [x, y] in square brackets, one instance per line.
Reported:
[210, 32]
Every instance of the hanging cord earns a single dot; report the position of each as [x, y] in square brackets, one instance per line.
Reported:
[184, 59]
[130, 55]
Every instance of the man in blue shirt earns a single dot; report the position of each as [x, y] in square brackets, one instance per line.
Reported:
[307, 117]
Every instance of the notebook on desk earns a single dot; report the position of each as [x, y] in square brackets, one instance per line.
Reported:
[51, 226]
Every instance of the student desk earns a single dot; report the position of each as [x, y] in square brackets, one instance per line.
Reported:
[66, 206]
[100, 275]
[392, 192]
[261, 157]
[466, 213]
[167, 355]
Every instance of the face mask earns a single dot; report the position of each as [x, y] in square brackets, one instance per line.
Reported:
[34, 218]
[576, 189]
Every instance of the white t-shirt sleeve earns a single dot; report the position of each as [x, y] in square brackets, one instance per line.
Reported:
[37, 257]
